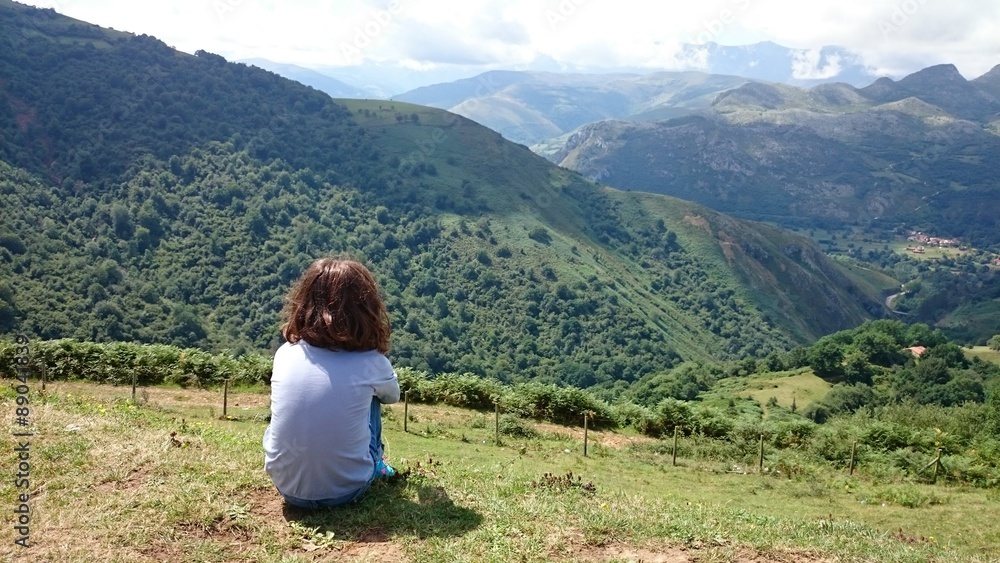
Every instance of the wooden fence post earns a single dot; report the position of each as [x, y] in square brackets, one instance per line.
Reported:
[45, 373]
[936, 462]
[760, 456]
[406, 410]
[496, 421]
[854, 451]
[585, 433]
[134, 377]
[673, 456]
[225, 397]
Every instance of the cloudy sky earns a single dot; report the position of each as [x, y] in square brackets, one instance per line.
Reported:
[894, 37]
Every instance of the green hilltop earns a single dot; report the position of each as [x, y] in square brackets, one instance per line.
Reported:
[154, 196]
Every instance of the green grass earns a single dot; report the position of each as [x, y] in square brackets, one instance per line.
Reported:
[984, 353]
[804, 387]
[110, 482]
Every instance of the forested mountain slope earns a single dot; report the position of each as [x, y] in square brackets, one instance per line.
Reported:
[151, 195]
[920, 151]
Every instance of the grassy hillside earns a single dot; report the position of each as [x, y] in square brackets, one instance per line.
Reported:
[985, 353]
[166, 479]
[160, 197]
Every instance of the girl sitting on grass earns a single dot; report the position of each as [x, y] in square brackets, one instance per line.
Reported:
[324, 446]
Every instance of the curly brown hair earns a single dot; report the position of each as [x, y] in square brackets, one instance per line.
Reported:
[336, 305]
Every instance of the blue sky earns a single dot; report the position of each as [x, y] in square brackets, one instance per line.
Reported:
[894, 37]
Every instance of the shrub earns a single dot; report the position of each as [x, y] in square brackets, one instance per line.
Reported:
[465, 390]
[562, 405]
[793, 434]
[413, 382]
[631, 414]
[789, 463]
[670, 413]
[711, 423]
[886, 436]
[833, 442]
[515, 427]
[540, 234]
[150, 364]
[908, 495]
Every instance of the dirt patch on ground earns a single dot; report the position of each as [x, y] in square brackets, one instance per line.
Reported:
[572, 545]
[602, 437]
[370, 551]
[168, 397]
[136, 478]
[728, 243]
[682, 554]
[370, 545]
[268, 504]
[698, 221]
[439, 414]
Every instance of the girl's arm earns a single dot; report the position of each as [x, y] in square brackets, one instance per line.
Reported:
[386, 383]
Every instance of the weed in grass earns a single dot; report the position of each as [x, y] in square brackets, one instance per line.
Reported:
[909, 495]
[478, 422]
[563, 483]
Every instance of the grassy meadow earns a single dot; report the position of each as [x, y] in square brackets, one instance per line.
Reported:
[984, 353]
[166, 478]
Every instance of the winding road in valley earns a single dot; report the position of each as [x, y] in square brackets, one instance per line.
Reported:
[892, 298]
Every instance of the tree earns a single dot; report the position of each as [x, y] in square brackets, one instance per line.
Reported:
[857, 369]
[879, 348]
[121, 220]
[826, 359]
[540, 234]
[994, 342]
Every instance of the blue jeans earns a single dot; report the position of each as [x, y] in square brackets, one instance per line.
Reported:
[375, 448]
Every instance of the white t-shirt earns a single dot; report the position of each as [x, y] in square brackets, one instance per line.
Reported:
[317, 444]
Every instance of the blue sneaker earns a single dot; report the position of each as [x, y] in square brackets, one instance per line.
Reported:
[383, 470]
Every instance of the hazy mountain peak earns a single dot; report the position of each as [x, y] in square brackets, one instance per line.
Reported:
[992, 75]
[937, 74]
[989, 82]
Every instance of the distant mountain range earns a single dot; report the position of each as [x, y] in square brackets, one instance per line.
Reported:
[528, 107]
[322, 82]
[921, 150]
[546, 99]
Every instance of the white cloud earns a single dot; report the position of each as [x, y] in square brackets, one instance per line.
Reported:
[809, 65]
[893, 36]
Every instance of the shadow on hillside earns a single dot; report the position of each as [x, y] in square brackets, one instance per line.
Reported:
[389, 509]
